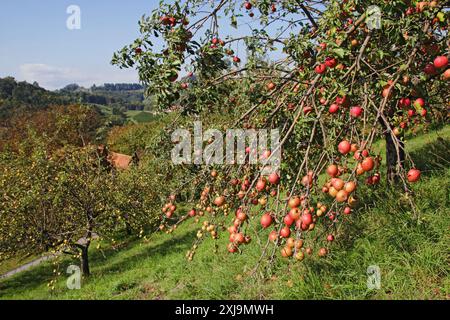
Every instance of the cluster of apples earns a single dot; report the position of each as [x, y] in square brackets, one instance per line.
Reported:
[236, 237]
[330, 62]
[169, 208]
[300, 218]
[439, 63]
[170, 20]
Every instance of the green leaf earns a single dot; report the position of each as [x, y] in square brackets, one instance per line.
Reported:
[339, 52]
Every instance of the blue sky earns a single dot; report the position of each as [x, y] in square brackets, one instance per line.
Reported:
[36, 45]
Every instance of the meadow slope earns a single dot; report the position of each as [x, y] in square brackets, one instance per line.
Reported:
[411, 251]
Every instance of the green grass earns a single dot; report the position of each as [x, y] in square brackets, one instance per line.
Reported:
[137, 116]
[410, 248]
[143, 116]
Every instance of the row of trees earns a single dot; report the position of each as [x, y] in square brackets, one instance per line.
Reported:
[58, 194]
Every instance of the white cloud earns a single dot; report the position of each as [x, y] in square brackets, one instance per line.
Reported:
[51, 77]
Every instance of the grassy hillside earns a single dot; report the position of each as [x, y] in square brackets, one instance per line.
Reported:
[412, 253]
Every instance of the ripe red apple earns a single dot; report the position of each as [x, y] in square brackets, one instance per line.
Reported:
[237, 59]
[423, 112]
[248, 5]
[330, 62]
[343, 101]
[446, 74]
[266, 220]
[413, 175]
[330, 238]
[294, 213]
[271, 86]
[273, 236]
[356, 111]
[367, 164]
[288, 220]
[441, 62]
[411, 112]
[344, 147]
[241, 215]
[306, 218]
[274, 178]
[320, 69]
[232, 248]
[419, 103]
[307, 110]
[172, 21]
[323, 252]
[192, 213]
[219, 201]
[261, 184]
[294, 202]
[285, 232]
[405, 102]
[333, 170]
[347, 210]
[333, 108]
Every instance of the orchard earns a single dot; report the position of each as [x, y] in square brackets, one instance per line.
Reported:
[341, 85]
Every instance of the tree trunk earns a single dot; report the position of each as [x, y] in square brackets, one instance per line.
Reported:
[395, 158]
[85, 261]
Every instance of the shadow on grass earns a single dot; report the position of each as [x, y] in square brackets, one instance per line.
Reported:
[42, 274]
[433, 157]
[27, 280]
[175, 244]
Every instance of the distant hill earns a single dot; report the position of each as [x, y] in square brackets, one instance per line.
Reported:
[118, 99]
[22, 96]
[128, 96]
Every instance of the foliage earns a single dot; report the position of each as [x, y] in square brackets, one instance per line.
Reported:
[340, 86]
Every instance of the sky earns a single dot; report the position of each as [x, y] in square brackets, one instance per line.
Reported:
[36, 45]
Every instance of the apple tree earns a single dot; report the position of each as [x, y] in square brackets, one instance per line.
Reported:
[333, 76]
[62, 201]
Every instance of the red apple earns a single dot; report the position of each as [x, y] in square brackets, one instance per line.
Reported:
[419, 103]
[285, 232]
[413, 175]
[330, 62]
[441, 62]
[356, 111]
[274, 178]
[266, 220]
[321, 68]
[333, 108]
[344, 147]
